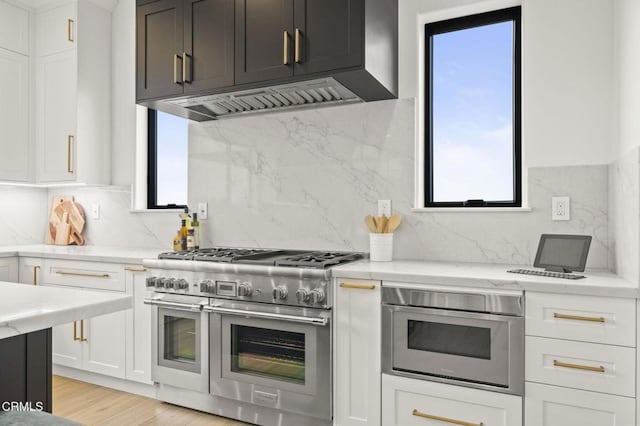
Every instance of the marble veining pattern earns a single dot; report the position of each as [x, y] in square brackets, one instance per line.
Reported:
[22, 215]
[306, 179]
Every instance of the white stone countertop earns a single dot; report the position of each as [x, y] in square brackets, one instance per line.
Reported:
[26, 308]
[480, 275]
[91, 253]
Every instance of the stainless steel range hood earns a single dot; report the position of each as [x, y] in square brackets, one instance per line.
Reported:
[303, 94]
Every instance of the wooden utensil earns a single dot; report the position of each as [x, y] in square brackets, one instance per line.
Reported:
[62, 231]
[382, 224]
[394, 222]
[370, 223]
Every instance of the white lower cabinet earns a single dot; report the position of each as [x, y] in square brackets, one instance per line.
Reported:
[9, 269]
[103, 345]
[66, 347]
[30, 270]
[547, 405]
[357, 353]
[138, 327]
[408, 401]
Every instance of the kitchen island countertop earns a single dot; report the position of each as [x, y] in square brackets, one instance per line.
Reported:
[27, 308]
[486, 275]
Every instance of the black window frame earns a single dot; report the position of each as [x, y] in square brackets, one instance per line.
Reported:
[461, 23]
[152, 164]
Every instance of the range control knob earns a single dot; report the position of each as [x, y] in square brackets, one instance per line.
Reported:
[160, 282]
[280, 292]
[181, 284]
[169, 282]
[207, 286]
[317, 296]
[303, 295]
[151, 281]
[245, 289]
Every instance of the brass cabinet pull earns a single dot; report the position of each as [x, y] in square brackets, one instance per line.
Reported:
[35, 274]
[75, 332]
[444, 419]
[82, 338]
[81, 274]
[132, 269]
[357, 286]
[557, 363]
[70, 30]
[285, 48]
[176, 69]
[69, 153]
[578, 318]
[186, 67]
[297, 54]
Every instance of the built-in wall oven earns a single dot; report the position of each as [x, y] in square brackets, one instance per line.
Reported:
[272, 356]
[179, 341]
[468, 337]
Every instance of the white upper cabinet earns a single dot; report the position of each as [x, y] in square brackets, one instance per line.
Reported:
[56, 30]
[14, 28]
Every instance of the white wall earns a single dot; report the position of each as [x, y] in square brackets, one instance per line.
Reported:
[567, 77]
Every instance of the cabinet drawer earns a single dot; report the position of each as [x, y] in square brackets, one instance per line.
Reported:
[96, 275]
[585, 318]
[588, 366]
[418, 402]
[553, 406]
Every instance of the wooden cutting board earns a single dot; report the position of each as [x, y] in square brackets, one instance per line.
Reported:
[60, 205]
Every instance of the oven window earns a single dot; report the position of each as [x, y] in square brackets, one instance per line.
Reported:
[275, 354]
[179, 339]
[452, 339]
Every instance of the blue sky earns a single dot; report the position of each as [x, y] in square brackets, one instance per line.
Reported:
[472, 115]
[172, 159]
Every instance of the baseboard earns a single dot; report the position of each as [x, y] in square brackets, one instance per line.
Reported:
[106, 381]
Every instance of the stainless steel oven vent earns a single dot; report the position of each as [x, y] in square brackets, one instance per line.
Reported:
[312, 93]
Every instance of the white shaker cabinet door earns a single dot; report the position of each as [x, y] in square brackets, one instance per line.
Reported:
[558, 406]
[30, 270]
[357, 352]
[104, 344]
[9, 269]
[14, 116]
[56, 30]
[57, 106]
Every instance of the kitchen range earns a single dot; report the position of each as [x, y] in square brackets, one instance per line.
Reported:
[245, 333]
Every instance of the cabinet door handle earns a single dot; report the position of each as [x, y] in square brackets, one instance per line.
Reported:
[578, 318]
[82, 338]
[186, 67]
[297, 54]
[285, 48]
[75, 331]
[70, 30]
[357, 286]
[35, 274]
[132, 269]
[82, 274]
[444, 419]
[69, 153]
[557, 363]
[176, 69]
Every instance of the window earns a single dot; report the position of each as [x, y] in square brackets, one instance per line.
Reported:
[167, 161]
[472, 111]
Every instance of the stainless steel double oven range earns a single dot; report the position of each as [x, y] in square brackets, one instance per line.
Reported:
[245, 333]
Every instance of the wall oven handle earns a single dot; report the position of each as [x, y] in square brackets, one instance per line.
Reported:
[444, 419]
[173, 305]
[268, 315]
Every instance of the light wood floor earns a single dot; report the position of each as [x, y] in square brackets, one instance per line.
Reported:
[96, 405]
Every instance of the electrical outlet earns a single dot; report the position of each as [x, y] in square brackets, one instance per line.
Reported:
[202, 211]
[95, 211]
[560, 208]
[384, 208]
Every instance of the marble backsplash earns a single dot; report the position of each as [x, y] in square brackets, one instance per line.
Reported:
[23, 215]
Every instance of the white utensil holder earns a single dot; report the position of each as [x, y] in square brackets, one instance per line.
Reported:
[380, 247]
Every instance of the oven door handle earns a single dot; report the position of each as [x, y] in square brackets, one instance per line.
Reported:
[173, 305]
[321, 321]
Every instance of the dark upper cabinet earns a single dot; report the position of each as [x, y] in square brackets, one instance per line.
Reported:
[208, 44]
[264, 43]
[159, 28]
[183, 46]
[328, 35]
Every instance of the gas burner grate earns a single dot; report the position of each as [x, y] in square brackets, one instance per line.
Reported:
[227, 254]
[319, 259]
[178, 255]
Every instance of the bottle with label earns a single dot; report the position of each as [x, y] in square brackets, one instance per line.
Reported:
[191, 240]
[185, 216]
[183, 234]
[195, 225]
[177, 244]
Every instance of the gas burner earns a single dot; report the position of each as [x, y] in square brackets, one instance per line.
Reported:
[318, 259]
[227, 254]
